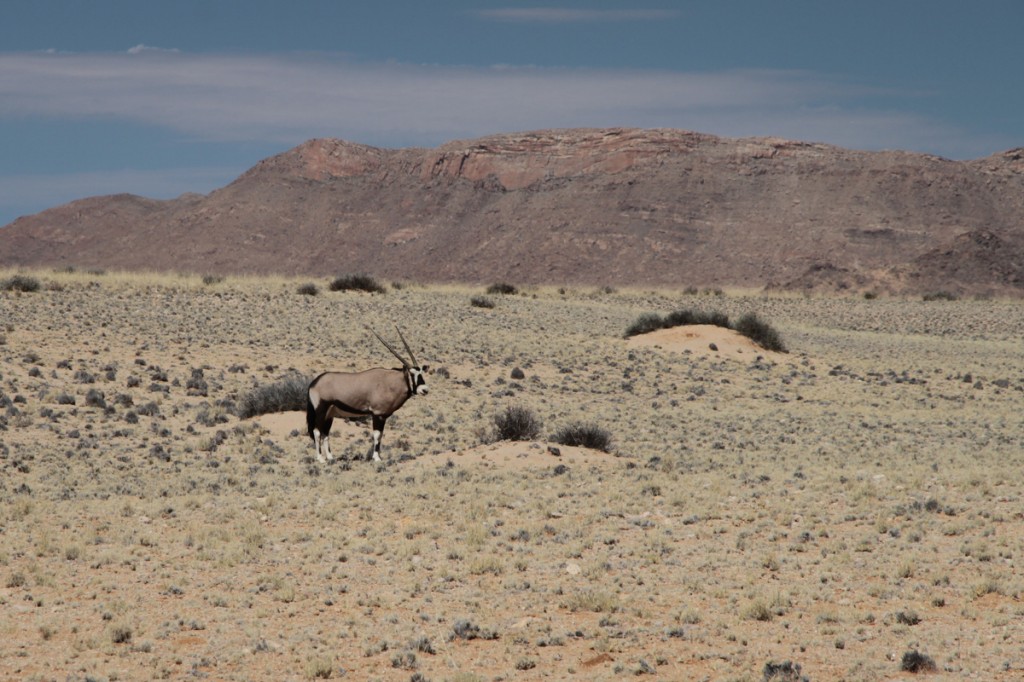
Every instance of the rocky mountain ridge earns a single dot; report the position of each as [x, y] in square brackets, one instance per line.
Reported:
[586, 207]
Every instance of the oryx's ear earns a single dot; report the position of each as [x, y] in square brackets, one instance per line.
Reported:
[424, 368]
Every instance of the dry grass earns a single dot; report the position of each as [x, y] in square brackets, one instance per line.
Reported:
[855, 500]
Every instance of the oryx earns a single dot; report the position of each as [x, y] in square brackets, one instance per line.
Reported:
[376, 393]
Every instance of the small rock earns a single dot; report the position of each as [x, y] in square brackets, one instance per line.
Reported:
[554, 451]
[713, 346]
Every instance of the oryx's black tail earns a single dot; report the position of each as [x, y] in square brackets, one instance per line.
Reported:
[310, 410]
[310, 416]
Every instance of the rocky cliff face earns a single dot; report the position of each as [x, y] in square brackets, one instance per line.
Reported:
[610, 206]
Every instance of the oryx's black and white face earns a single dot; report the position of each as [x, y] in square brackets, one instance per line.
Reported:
[417, 380]
[415, 373]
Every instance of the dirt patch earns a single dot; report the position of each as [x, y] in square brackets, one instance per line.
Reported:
[283, 424]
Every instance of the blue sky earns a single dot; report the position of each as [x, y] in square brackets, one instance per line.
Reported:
[161, 97]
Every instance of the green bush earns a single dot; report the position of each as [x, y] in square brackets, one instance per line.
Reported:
[584, 435]
[760, 332]
[685, 317]
[21, 283]
[914, 661]
[645, 324]
[503, 288]
[358, 283]
[517, 423]
[481, 302]
[940, 296]
[287, 394]
[309, 289]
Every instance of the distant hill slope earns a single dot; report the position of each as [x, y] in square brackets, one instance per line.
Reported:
[589, 206]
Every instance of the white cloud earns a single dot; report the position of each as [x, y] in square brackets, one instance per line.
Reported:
[289, 98]
[140, 49]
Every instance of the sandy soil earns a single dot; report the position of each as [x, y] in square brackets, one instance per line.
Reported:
[836, 508]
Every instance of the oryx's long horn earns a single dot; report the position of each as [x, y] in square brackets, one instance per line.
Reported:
[405, 363]
[405, 343]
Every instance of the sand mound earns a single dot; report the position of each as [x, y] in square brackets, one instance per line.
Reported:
[280, 425]
[525, 455]
[699, 338]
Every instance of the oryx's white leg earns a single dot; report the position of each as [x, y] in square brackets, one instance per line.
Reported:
[378, 432]
[318, 440]
[375, 448]
[327, 448]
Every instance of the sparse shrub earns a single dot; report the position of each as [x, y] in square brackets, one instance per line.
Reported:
[212, 279]
[689, 617]
[591, 600]
[503, 288]
[290, 393]
[423, 645]
[584, 435]
[516, 423]
[684, 317]
[649, 322]
[758, 610]
[21, 283]
[406, 660]
[940, 296]
[645, 324]
[782, 672]
[196, 384]
[907, 618]
[357, 283]
[121, 634]
[159, 452]
[916, 662]
[481, 302]
[464, 629]
[208, 415]
[95, 398]
[760, 332]
[319, 668]
[309, 289]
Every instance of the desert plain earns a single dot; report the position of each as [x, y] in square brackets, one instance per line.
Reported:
[849, 510]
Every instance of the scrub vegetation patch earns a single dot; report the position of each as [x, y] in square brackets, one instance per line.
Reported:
[564, 504]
